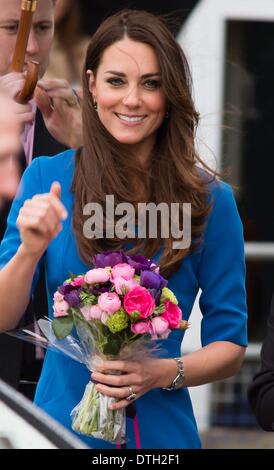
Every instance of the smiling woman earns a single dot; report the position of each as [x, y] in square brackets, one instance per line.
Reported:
[128, 94]
[139, 124]
[139, 106]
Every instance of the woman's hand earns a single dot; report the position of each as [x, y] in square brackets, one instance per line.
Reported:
[39, 221]
[136, 378]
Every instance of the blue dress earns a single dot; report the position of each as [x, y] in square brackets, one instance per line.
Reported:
[165, 418]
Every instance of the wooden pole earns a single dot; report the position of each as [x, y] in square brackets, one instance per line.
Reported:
[28, 8]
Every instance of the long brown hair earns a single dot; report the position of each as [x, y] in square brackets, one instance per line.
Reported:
[104, 167]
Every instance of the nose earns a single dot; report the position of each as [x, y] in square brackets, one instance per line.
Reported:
[32, 47]
[132, 98]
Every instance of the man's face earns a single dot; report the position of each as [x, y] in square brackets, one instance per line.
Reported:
[40, 37]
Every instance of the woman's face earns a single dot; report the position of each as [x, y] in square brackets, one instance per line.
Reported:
[128, 92]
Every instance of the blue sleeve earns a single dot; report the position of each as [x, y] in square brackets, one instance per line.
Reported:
[29, 186]
[222, 273]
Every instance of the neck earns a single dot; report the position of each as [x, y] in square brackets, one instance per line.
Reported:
[143, 153]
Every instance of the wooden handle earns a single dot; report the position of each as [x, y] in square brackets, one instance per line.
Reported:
[30, 84]
[28, 7]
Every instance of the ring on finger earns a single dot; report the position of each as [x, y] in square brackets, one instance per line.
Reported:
[132, 395]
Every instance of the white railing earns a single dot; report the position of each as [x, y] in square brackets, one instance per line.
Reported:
[263, 251]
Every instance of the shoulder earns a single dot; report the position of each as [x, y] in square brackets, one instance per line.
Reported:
[223, 215]
[60, 168]
[219, 193]
[216, 188]
[61, 160]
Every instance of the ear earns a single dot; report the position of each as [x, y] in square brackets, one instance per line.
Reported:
[91, 83]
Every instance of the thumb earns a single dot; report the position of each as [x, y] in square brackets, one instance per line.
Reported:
[43, 102]
[56, 189]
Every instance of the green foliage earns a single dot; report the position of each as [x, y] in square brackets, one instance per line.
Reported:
[135, 316]
[88, 299]
[167, 294]
[118, 321]
[62, 326]
[113, 345]
[159, 310]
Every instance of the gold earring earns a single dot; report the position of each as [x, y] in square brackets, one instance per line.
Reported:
[95, 105]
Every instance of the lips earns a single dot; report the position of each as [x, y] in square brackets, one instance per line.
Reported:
[134, 119]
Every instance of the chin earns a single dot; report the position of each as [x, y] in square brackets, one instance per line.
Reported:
[127, 140]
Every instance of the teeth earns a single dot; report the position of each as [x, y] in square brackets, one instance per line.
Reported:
[123, 117]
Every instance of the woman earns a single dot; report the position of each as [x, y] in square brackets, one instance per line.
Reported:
[261, 389]
[139, 127]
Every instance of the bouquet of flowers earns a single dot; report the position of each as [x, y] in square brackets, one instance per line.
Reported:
[117, 308]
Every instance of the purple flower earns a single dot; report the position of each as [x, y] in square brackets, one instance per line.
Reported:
[73, 298]
[100, 289]
[156, 294]
[65, 289]
[110, 258]
[152, 280]
[140, 263]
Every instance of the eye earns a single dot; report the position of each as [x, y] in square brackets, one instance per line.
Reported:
[152, 84]
[11, 28]
[115, 81]
[43, 27]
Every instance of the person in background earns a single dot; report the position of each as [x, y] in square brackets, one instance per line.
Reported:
[51, 122]
[261, 389]
[10, 128]
[69, 45]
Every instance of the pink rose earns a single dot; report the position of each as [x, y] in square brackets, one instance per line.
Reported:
[173, 314]
[139, 299]
[58, 297]
[109, 302]
[60, 309]
[121, 284]
[104, 317]
[92, 312]
[95, 276]
[141, 327]
[122, 270]
[78, 281]
[159, 326]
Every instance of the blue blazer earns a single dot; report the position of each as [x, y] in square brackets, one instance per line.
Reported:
[165, 418]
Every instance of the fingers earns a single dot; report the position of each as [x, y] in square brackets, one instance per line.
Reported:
[43, 213]
[49, 84]
[117, 386]
[12, 112]
[121, 394]
[115, 380]
[53, 200]
[60, 89]
[122, 366]
[40, 216]
[79, 93]
[56, 190]
[43, 102]
[12, 83]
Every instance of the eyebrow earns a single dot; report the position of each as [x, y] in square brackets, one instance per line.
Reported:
[17, 20]
[146, 75]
